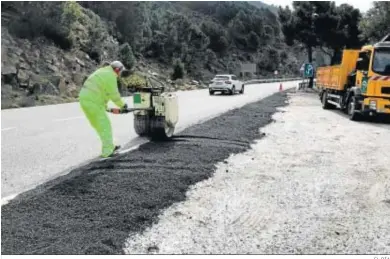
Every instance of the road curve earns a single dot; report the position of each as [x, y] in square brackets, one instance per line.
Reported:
[42, 143]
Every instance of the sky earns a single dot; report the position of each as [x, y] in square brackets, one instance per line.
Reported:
[361, 4]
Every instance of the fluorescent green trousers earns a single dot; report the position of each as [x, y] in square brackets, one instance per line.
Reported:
[99, 88]
[97, 117]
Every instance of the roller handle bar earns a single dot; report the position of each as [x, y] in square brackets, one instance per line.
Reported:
[127, 110]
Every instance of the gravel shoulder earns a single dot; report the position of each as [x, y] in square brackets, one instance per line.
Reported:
[317, 183]
[93, 209]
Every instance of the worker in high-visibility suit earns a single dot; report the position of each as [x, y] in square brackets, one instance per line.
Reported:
[99, 88]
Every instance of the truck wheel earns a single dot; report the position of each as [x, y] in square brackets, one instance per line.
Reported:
[324, 100]
[141, 125]
[353, 114]
[160, 130]
[345, 106]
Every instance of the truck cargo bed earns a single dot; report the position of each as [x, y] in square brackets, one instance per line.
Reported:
[335, 77]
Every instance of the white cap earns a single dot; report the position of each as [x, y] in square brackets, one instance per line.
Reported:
[117, 64]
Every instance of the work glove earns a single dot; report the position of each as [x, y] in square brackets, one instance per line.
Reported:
[124, 108]
[118, 110]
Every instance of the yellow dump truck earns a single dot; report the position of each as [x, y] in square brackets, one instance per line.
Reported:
[360, 85]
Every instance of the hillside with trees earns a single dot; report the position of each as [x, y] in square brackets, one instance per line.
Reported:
[49, 47]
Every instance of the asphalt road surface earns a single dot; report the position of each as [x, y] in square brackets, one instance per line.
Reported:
[94, 208]
[42, 143]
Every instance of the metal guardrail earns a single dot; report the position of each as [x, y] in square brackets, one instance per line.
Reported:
[272, 80]
[305, 84]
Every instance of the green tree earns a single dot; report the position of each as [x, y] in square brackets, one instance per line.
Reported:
[71, 12]
[126, 55]
[211, 57]
[215, 32]
[298, 25]
[223, 43]
[341, 30]
[319, 24]
[52, 20]
[376, 23]
[178, 70]
[253, 41]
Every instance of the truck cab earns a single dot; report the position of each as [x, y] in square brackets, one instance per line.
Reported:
[373, 78]
[360, 85]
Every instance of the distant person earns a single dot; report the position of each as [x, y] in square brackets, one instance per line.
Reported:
[100, 88]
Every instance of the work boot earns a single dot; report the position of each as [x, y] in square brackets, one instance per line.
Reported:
[116, 148]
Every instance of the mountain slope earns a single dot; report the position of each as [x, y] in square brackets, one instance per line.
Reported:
[49, 48]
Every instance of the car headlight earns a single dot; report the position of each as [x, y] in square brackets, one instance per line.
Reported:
[372, 105]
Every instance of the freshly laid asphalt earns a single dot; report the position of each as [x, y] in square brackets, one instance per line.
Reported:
[93, 209]
[41, 143]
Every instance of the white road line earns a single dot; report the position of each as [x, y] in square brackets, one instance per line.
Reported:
[129, 149]
[70, 118]
[10, 128]
[7, 199]
[121, 152]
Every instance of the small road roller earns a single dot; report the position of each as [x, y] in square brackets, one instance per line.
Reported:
[155, 111]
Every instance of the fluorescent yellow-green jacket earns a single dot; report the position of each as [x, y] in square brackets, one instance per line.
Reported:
[101, 87]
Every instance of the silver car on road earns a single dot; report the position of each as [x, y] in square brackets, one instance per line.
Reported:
[229, 84]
